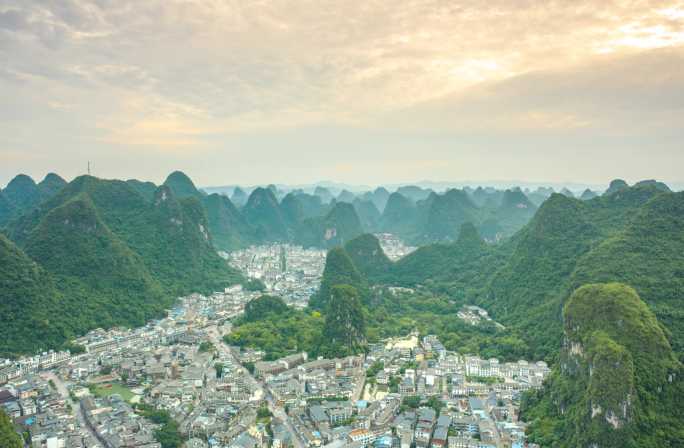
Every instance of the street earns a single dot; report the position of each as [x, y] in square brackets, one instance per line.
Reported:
[75, 407]
[276, 410]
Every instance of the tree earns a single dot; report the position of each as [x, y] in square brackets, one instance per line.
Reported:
[263, 306]
[263, 412]
[8, 436]
[219, 369]
[436, 404]
[339, 270]
[411, 401]
[206, 346]
[345, 324]
[254, 284]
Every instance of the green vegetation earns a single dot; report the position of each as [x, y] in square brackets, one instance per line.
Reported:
[411, 402]
[277, 329]
[168, 435]
[22, 192]
[268, 324]
[619, 382]
[182, 186]
[219, 369]
[108, 389]
[435, 403]
[447, 213]
[432, 217]
[56, 277]
[397, 315]
[649, 256]
[102, 255]
[399, 216]
[526, 292]
[228, 228]
[206, 347]
[344, 332]
[254, 284]
[8, 436]
[632, 236]
[340, 225]
[74, 349]
[29, 300]
[511, 215]
[368, 214]
[263, 212]
[368, 257]
[483, 379]
[460, 270]
[263, 308]
[415, 401]
[51, 185]
[339, 270]
[7, 210]
[263, 413]
[374, 369]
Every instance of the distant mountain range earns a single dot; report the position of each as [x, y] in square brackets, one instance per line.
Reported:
[577, 188]
[592, 282]
[596, 287]
[116, 252]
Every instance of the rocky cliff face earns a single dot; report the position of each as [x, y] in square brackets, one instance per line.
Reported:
[616, 376]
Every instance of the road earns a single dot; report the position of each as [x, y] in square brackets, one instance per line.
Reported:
[76, 408]
[260, 387]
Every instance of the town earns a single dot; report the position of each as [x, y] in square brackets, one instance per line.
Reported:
[291, 272]
[175, 381]
[393, 246]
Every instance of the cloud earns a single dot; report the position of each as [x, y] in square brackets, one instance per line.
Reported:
[626, 94]
[193, 74]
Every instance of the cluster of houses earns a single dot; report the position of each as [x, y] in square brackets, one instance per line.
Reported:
[393, 246]
[474, 315]
[159, 364]
[414, 393]
[116, 424]
[42, 414]
[291, 272]
[403, 393]
[318, 379]
[13, 369]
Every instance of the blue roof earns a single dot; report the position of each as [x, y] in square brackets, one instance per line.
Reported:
[385, 441]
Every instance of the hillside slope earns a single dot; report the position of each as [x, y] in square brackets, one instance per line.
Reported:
[618, 382]
[117, 258]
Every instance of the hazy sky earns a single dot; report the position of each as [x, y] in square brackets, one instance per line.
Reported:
[372, 91]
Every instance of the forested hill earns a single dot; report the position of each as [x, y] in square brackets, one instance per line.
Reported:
[618, 382]
[633, 235]
[324, 219]
[616, 348]
[30, 309]
[22, 193]
[320, 218]
[108, 256]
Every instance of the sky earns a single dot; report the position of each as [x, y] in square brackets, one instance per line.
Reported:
[367, 92]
